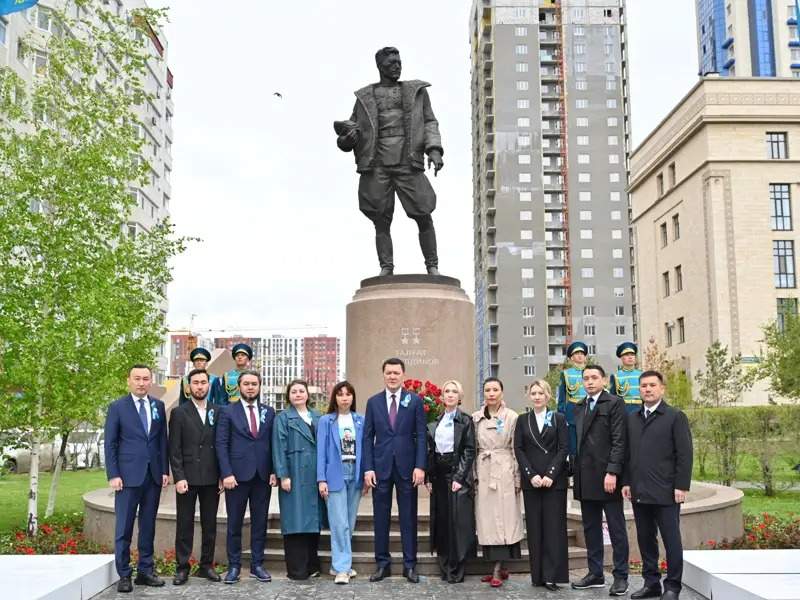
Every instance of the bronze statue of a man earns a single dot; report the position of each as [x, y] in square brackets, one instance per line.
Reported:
[390, 131]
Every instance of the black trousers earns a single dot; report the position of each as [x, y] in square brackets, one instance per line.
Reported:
[651, 519]
[592, 515]
[302, 554]
[546, 524]
[184, 526]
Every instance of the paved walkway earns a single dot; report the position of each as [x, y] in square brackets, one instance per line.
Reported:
[517, 588]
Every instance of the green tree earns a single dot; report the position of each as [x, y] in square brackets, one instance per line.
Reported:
[80, 297]
[779, 363]
[723, 381]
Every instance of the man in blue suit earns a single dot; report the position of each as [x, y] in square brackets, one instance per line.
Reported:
[394, 456]
[136, 466]
[244, 451]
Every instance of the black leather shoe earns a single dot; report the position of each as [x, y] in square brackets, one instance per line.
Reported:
[653, 591]
[552, 587]
[380, 574]
[208, 573]
[386, 271]
[148, 579]
[124, 585]
[260, 573]
[232, 576]
[589, 581]
[619, 587]
[180, 577]
[411, 575]
[670, 595]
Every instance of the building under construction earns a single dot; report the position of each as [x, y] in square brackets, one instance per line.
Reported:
[550, 131]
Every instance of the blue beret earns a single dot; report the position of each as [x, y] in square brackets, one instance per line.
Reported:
[627, 348]
[243, 348]
[577, 347]
[199, 353]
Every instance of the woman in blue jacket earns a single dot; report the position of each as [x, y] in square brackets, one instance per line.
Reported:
[294, 457]
[339, 475]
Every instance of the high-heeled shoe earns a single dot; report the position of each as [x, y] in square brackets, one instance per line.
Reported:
[496, 583]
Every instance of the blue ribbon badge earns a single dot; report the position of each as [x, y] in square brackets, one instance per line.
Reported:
[154, 410]
[548, 418]
[263, 415]
[404, 402]
[211, 417]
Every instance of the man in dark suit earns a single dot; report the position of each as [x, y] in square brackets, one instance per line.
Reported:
[136, 466]
[244, 450]
[656, 480]
[600, 425]
[395, 448]
[193, 458]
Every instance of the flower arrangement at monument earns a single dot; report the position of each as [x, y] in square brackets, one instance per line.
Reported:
[431, 397]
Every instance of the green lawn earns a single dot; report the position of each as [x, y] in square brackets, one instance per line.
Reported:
[783, 503]
[73, 484]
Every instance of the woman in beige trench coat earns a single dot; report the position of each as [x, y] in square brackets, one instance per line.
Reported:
[498, 501]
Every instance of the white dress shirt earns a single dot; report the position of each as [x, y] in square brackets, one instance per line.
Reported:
[146, 409]
[540, 419]
[445, 433]
[246, 409]
[397, 395]
[305, 415]
[593, 400]
[201, 410]
[652, 409]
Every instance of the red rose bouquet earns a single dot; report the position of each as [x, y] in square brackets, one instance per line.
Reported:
[431, 397]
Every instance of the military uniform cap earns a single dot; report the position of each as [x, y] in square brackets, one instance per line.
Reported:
[577, 347]
[199, 353]
[627, 348]
[243, 348]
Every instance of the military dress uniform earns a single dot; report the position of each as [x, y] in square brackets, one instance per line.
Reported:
[227, 391]
[185, 393]
[624, 382]
[570, 392]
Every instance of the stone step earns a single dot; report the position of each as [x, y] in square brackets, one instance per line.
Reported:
[364, 562]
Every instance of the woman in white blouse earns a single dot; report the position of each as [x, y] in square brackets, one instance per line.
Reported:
[451, 454]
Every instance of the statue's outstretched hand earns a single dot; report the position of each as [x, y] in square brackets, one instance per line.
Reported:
[435, 160]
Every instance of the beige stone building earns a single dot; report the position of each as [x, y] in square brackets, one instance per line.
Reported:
[713, 195]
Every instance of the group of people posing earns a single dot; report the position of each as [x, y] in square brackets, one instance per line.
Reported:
[480, 470]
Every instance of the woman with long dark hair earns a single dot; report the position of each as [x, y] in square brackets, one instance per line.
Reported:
[339, 474]
[451, 458]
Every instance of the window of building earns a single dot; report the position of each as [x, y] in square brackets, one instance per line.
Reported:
[521, 49]
[619, 329]
[613, 177]
[678, 278]
[585, 196]
[619, 311]
[611, 83]
[3, 32]
[664, 238]
[524, 159]
[786, 307]
[527, 292]
[665, 283]
[528, 370]
[610, 67]
[525, 215]
[528, 312]
[587, 272]
[523, 122]
[586, 234]
[616, 253]
[522, 86]
[523, 103]
[584, 177]
[588, 292]
[613, 159]
[582, 122]
[583, 140]
[611, 103]
[580, 48]
[578, 30]
[618, 272]
[616, 234]
[613, 140]
[619, 292]
[581, 103]
[671, 174]
[526, 254]
[616, 215]
[580, 67]
[526, 273]
[528, 351]
[520, 31]
[614, 196]
[521, 67]
[583, 159]
[580, 84]
[526, 234]
[588, 311]
[783, 259]
[524, 177]
[527, 331]
[668, 334]
[676, 227]
[681, 331]
[589, 329]
[612, 121]
[586, 215]
[781, 207]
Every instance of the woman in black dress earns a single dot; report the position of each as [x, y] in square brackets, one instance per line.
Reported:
[451, 454]
[540, 445]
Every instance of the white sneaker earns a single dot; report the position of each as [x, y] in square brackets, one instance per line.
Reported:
[352, 573]
[342, 578]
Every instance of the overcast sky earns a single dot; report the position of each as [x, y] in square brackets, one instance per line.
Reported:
[260, 180]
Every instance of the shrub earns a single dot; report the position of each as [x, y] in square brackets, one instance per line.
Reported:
[761, 532]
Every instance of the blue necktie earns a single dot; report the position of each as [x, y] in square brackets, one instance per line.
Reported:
[592, 402]
[143, 414]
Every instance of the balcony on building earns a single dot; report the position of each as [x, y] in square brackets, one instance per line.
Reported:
[551, 92]
[557, 320]
[727, 43]
[488, 83]
[550, 76]
[549, 38]
[729, 63]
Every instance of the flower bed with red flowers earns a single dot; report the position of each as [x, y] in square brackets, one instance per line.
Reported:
[763, 531]
[57, 535]
[431, 397]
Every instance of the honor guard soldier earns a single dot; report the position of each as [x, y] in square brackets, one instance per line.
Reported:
[228, 388]
[199, 358]
[624, 382]
[570, 389]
